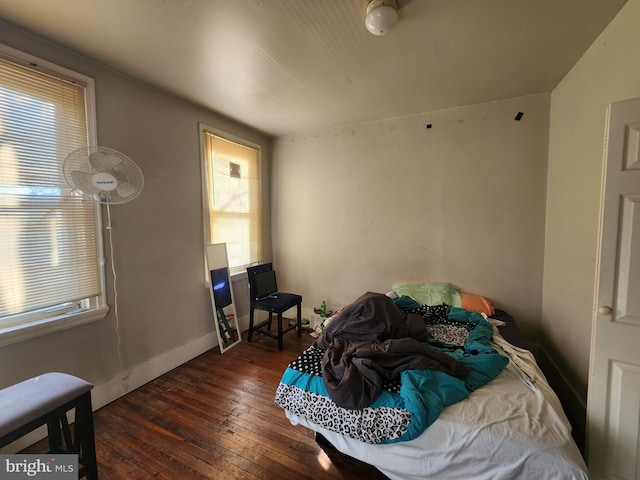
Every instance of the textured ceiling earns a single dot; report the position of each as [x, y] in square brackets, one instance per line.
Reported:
[288, 66]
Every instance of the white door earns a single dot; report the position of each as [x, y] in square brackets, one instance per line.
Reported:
[613, 411]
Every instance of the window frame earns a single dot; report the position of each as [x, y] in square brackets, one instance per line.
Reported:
[203, 129]
[25, 326]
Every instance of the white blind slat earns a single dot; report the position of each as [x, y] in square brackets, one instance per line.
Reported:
[233, 197]
[47, 236]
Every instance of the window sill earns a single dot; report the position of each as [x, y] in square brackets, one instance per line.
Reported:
[27, 331]
[235, 277]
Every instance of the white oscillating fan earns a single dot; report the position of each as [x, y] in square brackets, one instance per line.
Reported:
[109, 177]
[106, 175]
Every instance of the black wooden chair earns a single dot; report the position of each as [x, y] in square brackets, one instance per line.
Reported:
[278, 303]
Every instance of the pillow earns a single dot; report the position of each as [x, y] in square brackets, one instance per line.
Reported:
[434, 293]
[476, 303]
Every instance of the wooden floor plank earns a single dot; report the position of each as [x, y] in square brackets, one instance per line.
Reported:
[211, 418]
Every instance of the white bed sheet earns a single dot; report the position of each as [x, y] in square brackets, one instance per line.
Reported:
[512, 428]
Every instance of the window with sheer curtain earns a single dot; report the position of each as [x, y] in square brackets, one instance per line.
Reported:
[48, 235]
[232, 206]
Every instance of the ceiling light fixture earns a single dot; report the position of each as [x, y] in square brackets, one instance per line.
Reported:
[382, 15]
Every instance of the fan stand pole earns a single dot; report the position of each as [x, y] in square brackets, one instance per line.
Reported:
[109, 227]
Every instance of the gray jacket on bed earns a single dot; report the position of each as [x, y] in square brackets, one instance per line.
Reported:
[373, 340]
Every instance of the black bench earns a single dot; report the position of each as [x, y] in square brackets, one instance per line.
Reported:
[46, 399]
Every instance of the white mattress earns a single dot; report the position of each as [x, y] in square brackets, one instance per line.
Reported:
[514, 427]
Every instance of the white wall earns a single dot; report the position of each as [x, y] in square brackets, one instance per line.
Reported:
[362, 207]
[609, 71]
[165, 313]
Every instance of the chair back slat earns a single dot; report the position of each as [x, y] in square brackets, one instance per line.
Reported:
[251, 276]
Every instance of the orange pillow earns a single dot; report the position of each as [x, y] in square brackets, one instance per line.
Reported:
[476, 303]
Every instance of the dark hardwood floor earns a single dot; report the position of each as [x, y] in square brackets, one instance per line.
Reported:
[212, 418]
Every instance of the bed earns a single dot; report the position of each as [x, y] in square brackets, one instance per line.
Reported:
[377, 390]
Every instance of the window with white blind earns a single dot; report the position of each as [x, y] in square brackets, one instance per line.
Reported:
[50, 273]
[231, 197]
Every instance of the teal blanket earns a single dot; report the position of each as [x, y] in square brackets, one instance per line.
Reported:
[408, 404]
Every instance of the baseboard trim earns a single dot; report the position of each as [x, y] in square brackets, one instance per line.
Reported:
[132, 378]
[137, 376]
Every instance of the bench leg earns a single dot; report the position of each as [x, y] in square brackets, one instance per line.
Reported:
[82, 442]
[54, 432]
[85, 439]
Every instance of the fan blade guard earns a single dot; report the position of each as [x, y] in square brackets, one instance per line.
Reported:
[103, 161]
[83, 182]
[104, 174]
